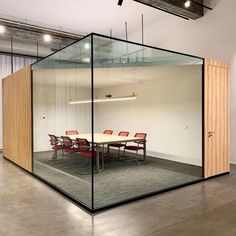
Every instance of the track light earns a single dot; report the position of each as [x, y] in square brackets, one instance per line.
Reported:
[120, 2]
[2, 29]
[187, 4]
[106, 99]
[47, 38]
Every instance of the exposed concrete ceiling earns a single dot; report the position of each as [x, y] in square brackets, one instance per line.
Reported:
[80, 16]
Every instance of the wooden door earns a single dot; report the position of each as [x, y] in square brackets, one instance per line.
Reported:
[216, 118]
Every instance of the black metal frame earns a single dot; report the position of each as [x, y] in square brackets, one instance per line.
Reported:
[92, 209]
[203, 119]
[92, 124]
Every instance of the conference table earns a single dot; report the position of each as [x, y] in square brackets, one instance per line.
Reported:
[99, 140]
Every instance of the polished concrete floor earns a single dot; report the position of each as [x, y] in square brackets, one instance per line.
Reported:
[29, 207]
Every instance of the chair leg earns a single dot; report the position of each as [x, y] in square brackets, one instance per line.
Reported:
[102, 157]
[54, 156]
[119, 153]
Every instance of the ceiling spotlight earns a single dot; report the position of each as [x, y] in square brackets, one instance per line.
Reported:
[2, 29]
[187, 4]
[120, 2]
[86, 45]
[47, 38]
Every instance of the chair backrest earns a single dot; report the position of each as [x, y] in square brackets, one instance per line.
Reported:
[66, 141]
[140, 135]
[108, 131]
[72, 132]
[123, 133]
[83, 144]
[53, 139]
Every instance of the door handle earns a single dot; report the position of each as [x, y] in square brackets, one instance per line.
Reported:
[210, 134]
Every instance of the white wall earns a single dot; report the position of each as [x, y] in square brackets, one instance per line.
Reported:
[168, 109]
[211, 36]
[52, 91]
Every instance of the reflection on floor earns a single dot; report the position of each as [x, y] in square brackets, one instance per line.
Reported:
[119, 180]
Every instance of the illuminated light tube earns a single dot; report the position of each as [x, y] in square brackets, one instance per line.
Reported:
[125, 98]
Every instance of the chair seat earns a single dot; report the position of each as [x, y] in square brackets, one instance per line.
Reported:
[118, 145]
[71, 150]
[58, 147]
[88, 154]
[134, 148]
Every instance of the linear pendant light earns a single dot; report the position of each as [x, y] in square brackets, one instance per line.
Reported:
[106, 99]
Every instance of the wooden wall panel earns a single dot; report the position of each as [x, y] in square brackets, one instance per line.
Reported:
[17, 124]
[216, 118]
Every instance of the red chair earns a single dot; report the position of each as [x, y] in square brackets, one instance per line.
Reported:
[56, 145]
[72, 132]
[69, 145]
[119, 145]
[108, 131]
[85, 151]
[85, 148]
[139, 146]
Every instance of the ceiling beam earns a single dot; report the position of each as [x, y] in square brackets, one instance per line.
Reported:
[177, 7]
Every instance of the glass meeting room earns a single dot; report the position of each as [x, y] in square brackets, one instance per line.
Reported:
[114, 120]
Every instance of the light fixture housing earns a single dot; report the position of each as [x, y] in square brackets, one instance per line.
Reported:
[2, 29]
[106, 99]
[47, 37]
[120, 2]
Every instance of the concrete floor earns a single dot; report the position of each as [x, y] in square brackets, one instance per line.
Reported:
[29, 207]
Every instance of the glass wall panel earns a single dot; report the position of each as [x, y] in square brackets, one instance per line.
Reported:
[156, 97]
[138, 114]
[58, 81]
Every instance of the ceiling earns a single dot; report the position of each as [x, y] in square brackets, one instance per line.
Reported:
[25, 42]
[82, 16]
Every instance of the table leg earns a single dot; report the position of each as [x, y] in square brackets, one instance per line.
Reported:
[144, 150]
[97, 157]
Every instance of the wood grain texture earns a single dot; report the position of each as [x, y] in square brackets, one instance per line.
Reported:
[216, 118]
[17, 124]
